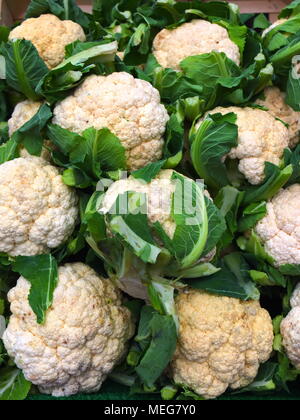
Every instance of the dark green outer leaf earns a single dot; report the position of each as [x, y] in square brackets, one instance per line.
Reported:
[30, 134]
[64, 9]
[24, 67]
[293, 90]
[275, 179]
[160, 351]
[216, 226]
[42, 273]
[149, 172]
[233, 280]
[214, 139]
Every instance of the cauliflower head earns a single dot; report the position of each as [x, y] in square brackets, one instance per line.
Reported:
[290, 329]
[222, 342]
[129, 107]
[37, 210]
[50, 36]
[279, 230]
[159, 193]
[23, 113]
[171, 46]
[261, 139]
[84, 336]
[275, 102]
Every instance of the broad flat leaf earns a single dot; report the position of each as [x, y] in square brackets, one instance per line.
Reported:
[213, 140]
[9, 151]
[162, 334]
[42, 273]
[190, 216]
[30, 134]
[13, 385]
[233, 280]
[129, 221]
[24, 67]
[64, 9]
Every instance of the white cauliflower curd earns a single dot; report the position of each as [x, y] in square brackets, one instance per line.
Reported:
[290, 329]
[49, 35]
[261, 139]
[222, 342]
[37, 210]
[274, 100]
[171, 46]
[84, 337]
[129, 107]
[279, 230]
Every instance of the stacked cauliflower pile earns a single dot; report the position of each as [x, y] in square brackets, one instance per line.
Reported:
[222, 341]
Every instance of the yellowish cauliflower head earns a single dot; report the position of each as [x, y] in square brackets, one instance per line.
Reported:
[275, 102]
[50, 36]
[274, 25]
[261, 139]
[84, 336]
[37, 210]
[222, 342]
[129, 107]
[22, 113]
[279, 230]
[171, 46]
[290, 329]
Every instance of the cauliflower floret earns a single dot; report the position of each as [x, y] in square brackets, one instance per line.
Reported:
[275, 102]
[261, 139]
[279, 230]
[84, 336]
[171, 46]
[50, 36]
[290, 329]
[23, 112]
[222, 342]
[129, 107]
[274, 25]
[37, 210]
